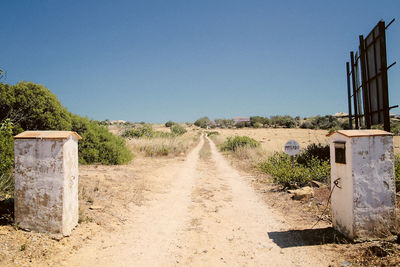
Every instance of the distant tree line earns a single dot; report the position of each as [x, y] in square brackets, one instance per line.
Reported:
[277, 121]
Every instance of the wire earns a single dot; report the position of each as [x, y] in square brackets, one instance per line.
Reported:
[335, 184]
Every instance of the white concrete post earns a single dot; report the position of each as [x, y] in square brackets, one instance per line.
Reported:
[46, 181]
[362, 175]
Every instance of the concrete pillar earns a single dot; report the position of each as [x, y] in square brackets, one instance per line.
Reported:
[362, 175]
[46, 181]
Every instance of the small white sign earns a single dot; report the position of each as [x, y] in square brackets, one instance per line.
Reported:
[292, 148]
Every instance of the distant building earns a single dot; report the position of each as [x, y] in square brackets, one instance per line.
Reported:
[240, 119]
[118, 122]
[341, 115]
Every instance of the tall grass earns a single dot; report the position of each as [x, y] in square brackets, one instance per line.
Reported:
[6, 185]
[163, 146]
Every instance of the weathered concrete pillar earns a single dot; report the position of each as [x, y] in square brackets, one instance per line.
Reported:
[46, 181]
[362, 175]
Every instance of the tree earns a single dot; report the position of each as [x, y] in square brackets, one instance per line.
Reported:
[33, 107]
[6, 147]
[203, 122]
[169, 123]
[224, 123]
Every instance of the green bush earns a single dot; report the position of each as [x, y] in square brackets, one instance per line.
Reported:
[6, 147]
[98, 145]
[395, 127]
[144, 131]
[307, 125]
[257, 125]
[169, 123]
[224, 123]
[233, 143]
[260, 120]
[240, 124]
[178, 130]
[319, 151]
[203, 122]
[212, 133]
[290, 175]
[34, 107]
[283, 121]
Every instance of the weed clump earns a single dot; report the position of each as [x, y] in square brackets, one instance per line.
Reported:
[6, 147]
[212, 133]
[233, 143]
[145, 131]
[289, 175]
[319, 151]
[169, 123]
[178, 130]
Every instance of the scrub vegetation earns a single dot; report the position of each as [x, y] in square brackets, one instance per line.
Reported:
[30, 106]
[234, 143]
[311, 164]
[145, 140]
[294, 175]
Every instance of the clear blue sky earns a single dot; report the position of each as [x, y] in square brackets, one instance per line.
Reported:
[180, 60]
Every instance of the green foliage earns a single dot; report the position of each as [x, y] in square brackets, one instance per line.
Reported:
[291, 175]
[318, 151]
[397, 172]
[307, 125]
[233, 143]
[145, 131]
[325, 122]
[203, 122]
[255, 121]
[6, 147]
[169, 123]
[257, 125]
[395, 127]
[178, 130]
[212, 133]
[98, 145]
[283, 121]
[34, 107]
[344, 124]
[240, 124]
[6, 185]
[224, 123]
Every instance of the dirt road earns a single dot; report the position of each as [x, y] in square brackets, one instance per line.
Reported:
[203, 213]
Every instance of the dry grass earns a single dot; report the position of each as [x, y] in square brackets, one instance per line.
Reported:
[273, 139]
[166, 146]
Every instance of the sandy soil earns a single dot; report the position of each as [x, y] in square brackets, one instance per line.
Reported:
[201, 212]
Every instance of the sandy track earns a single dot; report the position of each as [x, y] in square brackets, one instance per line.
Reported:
[207, 215]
